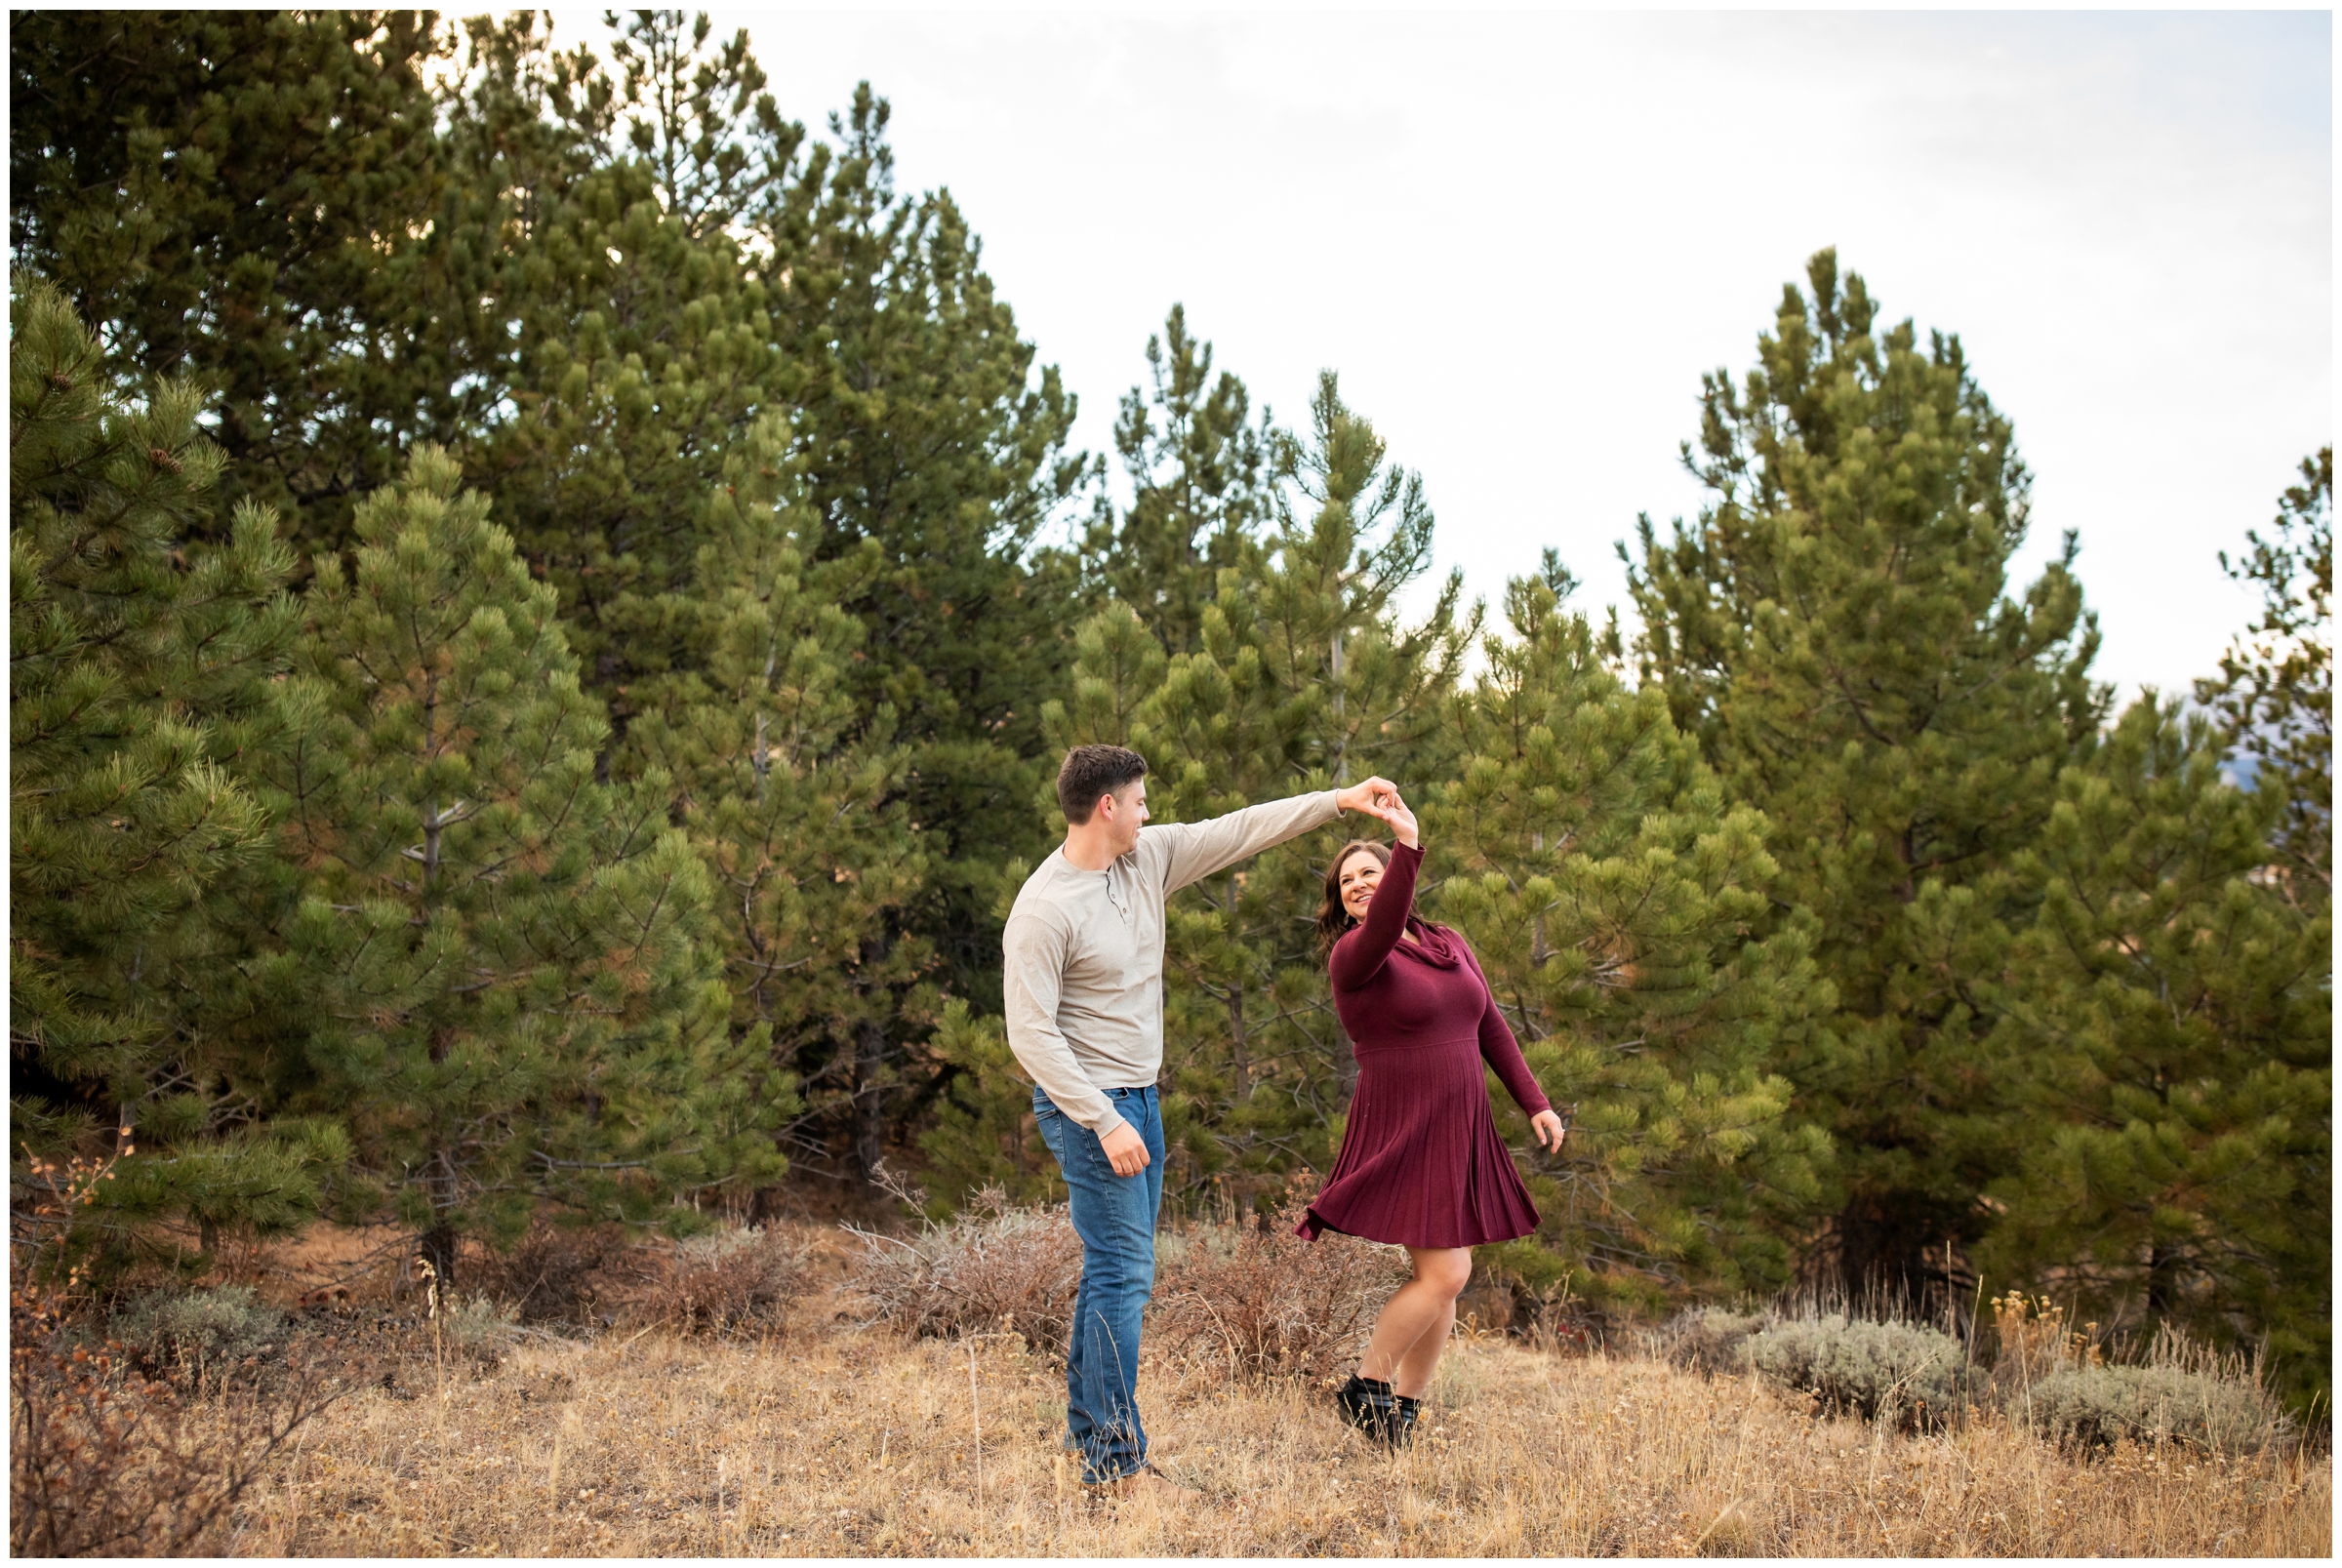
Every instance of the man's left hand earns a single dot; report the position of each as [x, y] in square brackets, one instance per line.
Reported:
[1361, 796]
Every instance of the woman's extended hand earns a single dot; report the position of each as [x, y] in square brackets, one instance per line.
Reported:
[1387, 805]
[1547, 1124]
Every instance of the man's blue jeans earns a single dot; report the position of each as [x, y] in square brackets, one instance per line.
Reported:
[1114, 1217]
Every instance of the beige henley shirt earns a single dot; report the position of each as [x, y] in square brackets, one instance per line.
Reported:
[1084, 952]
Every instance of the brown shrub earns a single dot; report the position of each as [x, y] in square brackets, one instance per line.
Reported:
[991, 1266]
[556, 1274]
[1707, 1340]
[1263, 1302]
[731, 1283]
[105, 1460]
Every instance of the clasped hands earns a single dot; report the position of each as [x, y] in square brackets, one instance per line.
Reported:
[1378, 797]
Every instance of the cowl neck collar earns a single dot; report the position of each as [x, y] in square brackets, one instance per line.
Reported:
[1434, 944]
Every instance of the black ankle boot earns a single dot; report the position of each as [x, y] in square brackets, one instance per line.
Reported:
[1368, 1404]
[1403, 1420]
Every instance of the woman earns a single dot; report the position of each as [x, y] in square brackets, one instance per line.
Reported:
[1421, 1163]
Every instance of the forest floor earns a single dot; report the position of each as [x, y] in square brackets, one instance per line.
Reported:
[836, 1440]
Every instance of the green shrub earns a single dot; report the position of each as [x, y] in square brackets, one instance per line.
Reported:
[185, 1332]
[2095, 1406]
[477, 1325]
[1902, 1372]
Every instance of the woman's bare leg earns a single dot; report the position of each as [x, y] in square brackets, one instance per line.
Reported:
[1414, 1324]
[1422, 1358]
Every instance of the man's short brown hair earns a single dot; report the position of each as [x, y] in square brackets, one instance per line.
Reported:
[1091, 771]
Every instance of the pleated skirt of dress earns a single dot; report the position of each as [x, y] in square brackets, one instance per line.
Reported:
[1421, 1162]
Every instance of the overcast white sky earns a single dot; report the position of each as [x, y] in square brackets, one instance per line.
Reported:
[1522, 236]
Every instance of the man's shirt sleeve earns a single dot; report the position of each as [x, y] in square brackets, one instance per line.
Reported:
[1194, 851]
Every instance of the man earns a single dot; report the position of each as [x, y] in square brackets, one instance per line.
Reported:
[1084, 982]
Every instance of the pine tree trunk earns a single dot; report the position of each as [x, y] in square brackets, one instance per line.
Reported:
[1240, 1060]
[1891, 1246]
[437, 1247]
[2162, 1282]
[869, 1061]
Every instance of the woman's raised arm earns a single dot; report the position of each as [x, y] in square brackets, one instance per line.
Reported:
[1361, 952]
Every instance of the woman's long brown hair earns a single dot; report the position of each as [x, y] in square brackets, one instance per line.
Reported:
[1332, 918]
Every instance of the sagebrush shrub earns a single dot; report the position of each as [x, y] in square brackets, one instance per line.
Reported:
[2096, 1406]
[2057, 1381]
[991, 1266]
[1907, 1372]
[477, 1326]
[196, 1333]
[1262, 1302]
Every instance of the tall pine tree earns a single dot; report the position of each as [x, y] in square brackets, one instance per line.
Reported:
[1200, 479]
[796, 800]
[1613, 895]
[146, 675]
[519, 1000]
[2274, 692]
[1837, 632]
[2168, 1021]
[247, 199]
[1303, 680]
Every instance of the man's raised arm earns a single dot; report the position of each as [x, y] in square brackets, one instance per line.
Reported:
[1194, 851]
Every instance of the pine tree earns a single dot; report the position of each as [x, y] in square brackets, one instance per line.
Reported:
[1835, 631]
[519, 1000]
[793, 798]
[2274, 694]
[145, 677]
[701, 119]
[984, 1132]
[1200, 477]
[643, 348]
[2168, 1021]
[1611, 894]
[926, 429]
[245, 199]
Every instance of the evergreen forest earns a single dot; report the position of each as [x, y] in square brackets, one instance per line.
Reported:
[546, 596]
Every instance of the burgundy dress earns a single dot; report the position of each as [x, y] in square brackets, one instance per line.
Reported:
[1420, 1164]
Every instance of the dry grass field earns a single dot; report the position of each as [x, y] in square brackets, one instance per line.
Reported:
[849, 1441]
